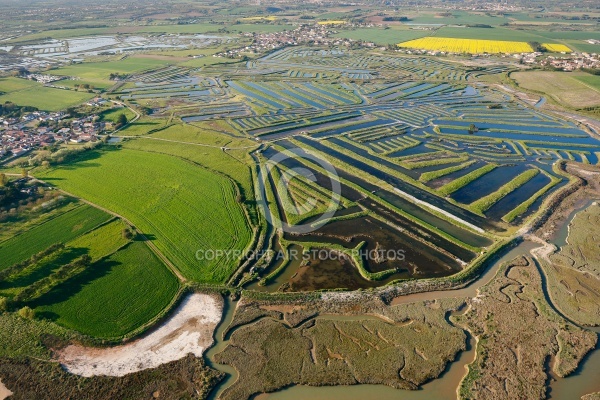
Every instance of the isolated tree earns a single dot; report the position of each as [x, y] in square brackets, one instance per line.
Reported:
[24, 172]
[27, 313]
[3, 180]
[127, 234]
[121, 120]
[472, 129]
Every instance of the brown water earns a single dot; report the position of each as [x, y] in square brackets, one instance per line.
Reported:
[218, 346]
[586, 379]
[328, 274]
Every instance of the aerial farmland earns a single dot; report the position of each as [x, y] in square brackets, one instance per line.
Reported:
[244, 201]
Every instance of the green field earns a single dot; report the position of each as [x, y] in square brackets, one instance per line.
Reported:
[60, 229]
[46, 98]
[97, 73]
[231, 163]
[8, 85]
[574, 89]
[114, 296]
[213, 28]
[382, 36]
[180, 205]
[592, 81]
[102, 241]
[112, 114]
[457, 17]
[489, 34]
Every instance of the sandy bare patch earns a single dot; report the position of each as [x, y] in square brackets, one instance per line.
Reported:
[4, 392]
[189, 330]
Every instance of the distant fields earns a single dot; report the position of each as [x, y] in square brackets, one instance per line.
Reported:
[381, 36]
[572, 89]
[114, 296]
[60, 229]
[181, 206]
[100, 71]
[45, 98]
[13, 84]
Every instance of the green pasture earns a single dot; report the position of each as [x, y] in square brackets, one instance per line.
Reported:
[114, 296]
[382, 36]
[178, 204]
[60, 229]
[46, 98]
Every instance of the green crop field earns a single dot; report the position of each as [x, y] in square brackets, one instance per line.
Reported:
[457, 17]
[8, 85]
[102, 241]
[96, 71]
[62, 228]
[113, 114]
[382, 36]
[489, 34]
[592, 81]
[268, 28]
[46, 98]
[180, 205]
[114, 295]
[230, 163]
[575, 89]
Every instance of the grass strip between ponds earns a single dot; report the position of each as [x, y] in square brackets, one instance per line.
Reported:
[431, 175]
[410, 217]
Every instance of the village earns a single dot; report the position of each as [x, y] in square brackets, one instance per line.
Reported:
[313, 34]
[38, 129]
[573, 62]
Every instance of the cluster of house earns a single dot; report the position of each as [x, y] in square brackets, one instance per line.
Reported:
[568, 62]
[45, 79]
[20, 136]
[304, 34]
[579, 61]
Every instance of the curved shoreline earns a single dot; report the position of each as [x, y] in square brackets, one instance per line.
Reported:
[188, 330]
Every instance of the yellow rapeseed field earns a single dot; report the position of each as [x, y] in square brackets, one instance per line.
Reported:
[260, 18]
[332, 22]
[452, 45]
[556, 48]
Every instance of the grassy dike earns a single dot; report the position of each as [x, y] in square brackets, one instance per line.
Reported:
[431, 175]
[370, 178]
[406, 215]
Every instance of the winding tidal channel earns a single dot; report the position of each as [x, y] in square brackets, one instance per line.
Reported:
[583, 381]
